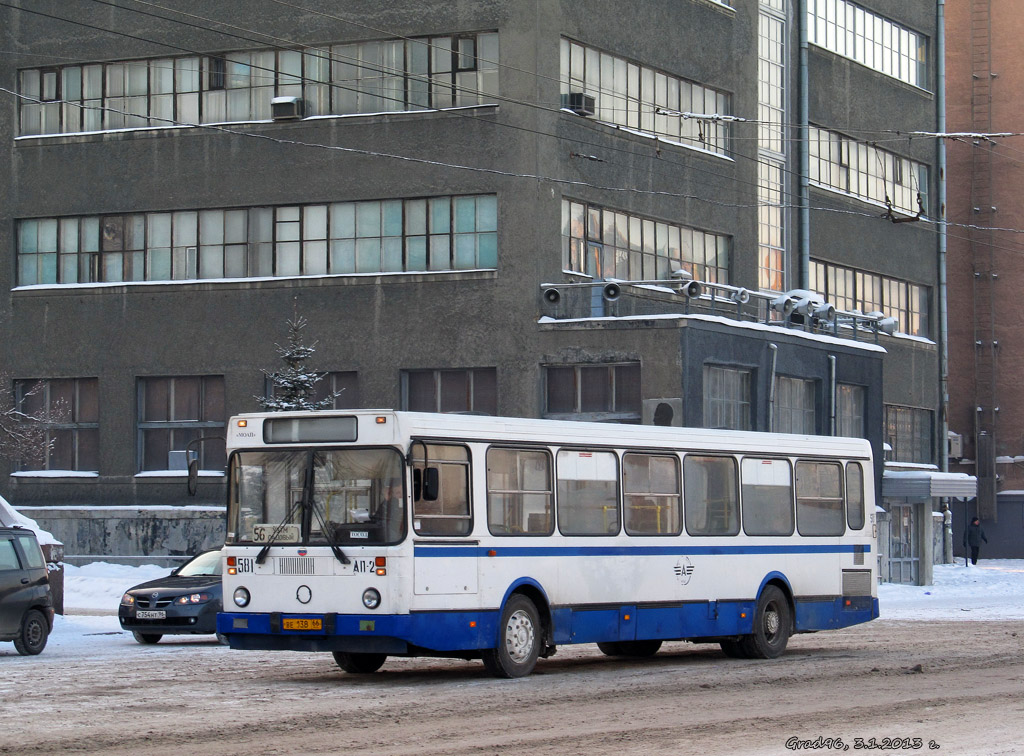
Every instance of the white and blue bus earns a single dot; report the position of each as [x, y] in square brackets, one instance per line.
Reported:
[371, 534]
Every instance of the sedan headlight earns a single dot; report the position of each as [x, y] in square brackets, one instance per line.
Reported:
[127, 600]
[193, 598]
[241, 596]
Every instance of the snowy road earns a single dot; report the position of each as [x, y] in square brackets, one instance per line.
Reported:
[944, 684]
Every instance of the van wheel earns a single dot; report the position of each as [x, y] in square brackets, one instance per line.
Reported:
[773, 623]
[359, 664]
[519, 640]
[612, 648]
[34, 632]
[147, 638]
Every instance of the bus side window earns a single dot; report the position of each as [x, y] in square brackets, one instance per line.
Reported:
[588, 492]
[819, 499]
[441, 491]
[855, 495]
[711, 498]
[652, 496]
[767, 486]
[519, 494]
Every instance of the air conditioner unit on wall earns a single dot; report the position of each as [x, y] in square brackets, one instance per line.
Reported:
[954, 445]
[667, 412]
[581, 104]
[285, 108]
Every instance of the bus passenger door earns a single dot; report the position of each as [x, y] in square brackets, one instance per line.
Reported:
[444, 559]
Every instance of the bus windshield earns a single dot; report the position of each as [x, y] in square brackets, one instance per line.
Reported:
[319, 496]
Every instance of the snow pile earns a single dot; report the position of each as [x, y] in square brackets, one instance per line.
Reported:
[991, 590]
[10, 516]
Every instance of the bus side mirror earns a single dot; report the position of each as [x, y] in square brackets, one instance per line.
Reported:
[426, 484]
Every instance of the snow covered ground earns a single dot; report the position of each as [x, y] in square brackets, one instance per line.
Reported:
[992, 590]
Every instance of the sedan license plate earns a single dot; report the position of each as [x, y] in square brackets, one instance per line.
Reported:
[302, 624]
[148, 614]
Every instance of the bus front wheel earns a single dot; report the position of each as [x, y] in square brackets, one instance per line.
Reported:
[359, 664]
[519, 640]
[773, 622]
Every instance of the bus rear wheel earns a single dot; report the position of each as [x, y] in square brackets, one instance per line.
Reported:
[359, 664]
[773, 622]
[519, 640]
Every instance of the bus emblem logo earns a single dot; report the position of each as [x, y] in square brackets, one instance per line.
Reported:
[684, 570]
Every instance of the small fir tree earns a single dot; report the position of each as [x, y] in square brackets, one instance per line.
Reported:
[294, 387]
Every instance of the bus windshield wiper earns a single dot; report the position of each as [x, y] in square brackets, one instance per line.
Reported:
[329, 535]
[261, 557]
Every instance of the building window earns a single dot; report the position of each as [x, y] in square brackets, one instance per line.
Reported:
[849, 30]
[860, 291]
[794, 406]
[908, 431]
[176, 411]
[609, 244]
[866, 172]
[637, 97]
[342, 388]
[68, 409]
[471, 390]
[726, 398]
[416, 235]
[365, 77]
[593, 392]
[771, 145]
[852, 403]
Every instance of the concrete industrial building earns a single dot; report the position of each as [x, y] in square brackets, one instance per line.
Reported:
[443, 190]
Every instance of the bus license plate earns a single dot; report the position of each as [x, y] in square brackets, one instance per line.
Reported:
[147, 614]
[302, 624]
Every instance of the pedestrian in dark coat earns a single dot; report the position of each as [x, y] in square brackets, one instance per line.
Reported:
[973, 537]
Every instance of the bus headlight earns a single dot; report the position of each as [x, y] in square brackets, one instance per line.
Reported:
[241, 597]
[371, 598]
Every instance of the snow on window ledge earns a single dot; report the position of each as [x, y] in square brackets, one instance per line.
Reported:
[55, 474]
[179, 474]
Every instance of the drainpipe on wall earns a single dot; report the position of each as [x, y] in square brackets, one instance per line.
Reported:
[940, 104]
[803, 150]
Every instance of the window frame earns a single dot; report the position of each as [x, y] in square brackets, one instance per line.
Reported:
[733, 506]
[841, 498]
[675, 511]
[206, 428]
[577, 511]
[792, 497]
[414, 517]
[550, 492]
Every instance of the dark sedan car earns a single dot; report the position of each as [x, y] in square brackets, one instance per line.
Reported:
[184, 602]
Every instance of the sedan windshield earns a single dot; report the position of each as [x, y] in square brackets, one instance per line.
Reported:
[339, 496]
[202, 565]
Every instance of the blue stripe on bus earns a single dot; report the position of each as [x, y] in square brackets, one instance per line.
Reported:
[474, 551]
